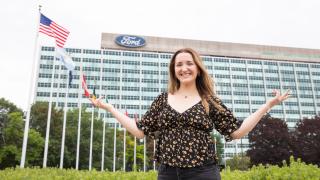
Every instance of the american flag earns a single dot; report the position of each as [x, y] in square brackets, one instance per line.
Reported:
[52, 29]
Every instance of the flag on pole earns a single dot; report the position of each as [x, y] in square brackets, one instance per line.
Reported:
[93, 95]
[52, 29]
[65, 58]
[84, 86]
[70, 78]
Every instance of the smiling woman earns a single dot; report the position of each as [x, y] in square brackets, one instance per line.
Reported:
[183, 118]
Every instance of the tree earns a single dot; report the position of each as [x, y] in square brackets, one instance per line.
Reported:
[269, 142]
[10, 154]
[306, 140]
[6, 108]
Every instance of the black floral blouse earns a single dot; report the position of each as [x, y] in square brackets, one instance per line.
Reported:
[183, 139]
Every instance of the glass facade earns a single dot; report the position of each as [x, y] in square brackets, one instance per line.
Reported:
[132, 79]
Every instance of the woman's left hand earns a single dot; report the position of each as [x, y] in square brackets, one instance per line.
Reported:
[278, 98]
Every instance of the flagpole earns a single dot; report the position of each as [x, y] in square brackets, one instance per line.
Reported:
[154, 152]
[135, 149]
[79, 117]
[91, 137]
[104, 123]
[49, 112]
[124, 143]
[224, 153]
[114, 145]
[144, 153]
[64, 124]
[35, 63]
[103, 142]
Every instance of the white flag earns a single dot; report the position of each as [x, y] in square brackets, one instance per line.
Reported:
[65, 58]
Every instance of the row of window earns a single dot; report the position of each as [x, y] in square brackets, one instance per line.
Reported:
[168, 56]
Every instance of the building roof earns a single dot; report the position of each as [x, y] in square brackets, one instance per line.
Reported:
[213, 48]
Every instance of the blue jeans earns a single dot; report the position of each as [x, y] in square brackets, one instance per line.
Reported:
[208, 171]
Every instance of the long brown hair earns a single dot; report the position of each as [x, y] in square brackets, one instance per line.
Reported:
[204, 83]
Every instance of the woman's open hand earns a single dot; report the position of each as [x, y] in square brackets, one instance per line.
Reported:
[97, 102]
[278, 98]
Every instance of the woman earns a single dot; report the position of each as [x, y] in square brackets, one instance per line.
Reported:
[184, 117]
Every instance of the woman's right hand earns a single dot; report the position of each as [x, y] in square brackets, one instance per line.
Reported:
[97, 102]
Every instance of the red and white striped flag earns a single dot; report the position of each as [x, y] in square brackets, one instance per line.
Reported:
[52, 29]
[84, 86]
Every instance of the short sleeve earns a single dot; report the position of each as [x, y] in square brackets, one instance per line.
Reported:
[149, 122]
[225, 122]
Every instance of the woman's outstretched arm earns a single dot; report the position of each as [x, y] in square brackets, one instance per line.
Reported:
[124, 120]
[251, 121]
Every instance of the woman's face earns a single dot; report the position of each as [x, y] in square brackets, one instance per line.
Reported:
[185, 68]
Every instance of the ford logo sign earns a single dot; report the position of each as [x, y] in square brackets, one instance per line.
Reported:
[130, 41]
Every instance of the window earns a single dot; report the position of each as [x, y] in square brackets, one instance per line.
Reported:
[255, 78]
[130, 97]
[239, 85]
[150, 63]
[111, 61]
[110, 78]
[128, 88]
[112, 70]
[241, 101]
[132, 71]
[241, 77]
[254, 70]
[224, 68]
[73, 50]
[224, 92]
[130, 79]
[43, 57]
[239, 93]
[91, 60]
[238, 69]
[45, 48]
[150, 72]
[131, 62]
[91, 51]
[131, 54]
[93, 69]
[114, 53]
[164, 64]
[222, 76]
[46, 66]
[150, 89]
[254, 62]
[43, 94]
[271, 71]
[150, 81]
[286, 72]
[165, 56]
[222, 60]
[238, 61]
[148, 98]
[149, 55]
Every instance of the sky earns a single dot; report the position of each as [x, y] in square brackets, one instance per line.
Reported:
[288, 23]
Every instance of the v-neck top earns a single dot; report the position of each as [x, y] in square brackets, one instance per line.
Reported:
[183, 139]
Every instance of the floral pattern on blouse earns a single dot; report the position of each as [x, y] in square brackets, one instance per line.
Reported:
[184, 139]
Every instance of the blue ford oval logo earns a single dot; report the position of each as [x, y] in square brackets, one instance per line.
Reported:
[130, 41]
